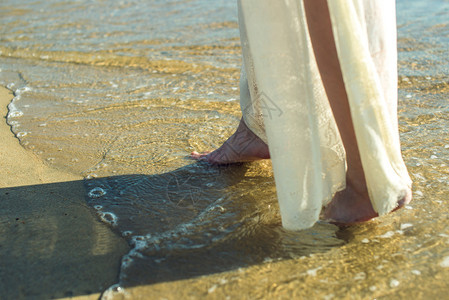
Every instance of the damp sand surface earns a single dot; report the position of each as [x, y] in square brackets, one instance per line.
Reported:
[51, 244]
[120, 94]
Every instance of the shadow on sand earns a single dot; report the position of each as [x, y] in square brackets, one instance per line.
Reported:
[193, 221]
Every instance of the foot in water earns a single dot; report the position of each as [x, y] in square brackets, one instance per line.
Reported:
[349, 206]
[352, 205]
[242, 146]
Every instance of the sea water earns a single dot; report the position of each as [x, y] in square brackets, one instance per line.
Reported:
[121, 92]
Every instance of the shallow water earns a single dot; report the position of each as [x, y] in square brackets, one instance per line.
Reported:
[121, 91]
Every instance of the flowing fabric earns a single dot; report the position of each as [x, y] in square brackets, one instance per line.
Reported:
[284, 102]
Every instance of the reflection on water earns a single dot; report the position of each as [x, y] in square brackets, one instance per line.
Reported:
[121, 91]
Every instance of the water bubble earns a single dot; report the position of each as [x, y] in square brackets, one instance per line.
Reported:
[127, 233]
[126, 261]
[97, 192]
[387, 235]
[313, 272]
[109, 218]
[15, 113]
[91, 176]
[406, 225]
[360, 276]
[138, 242]
[22, 90]
[445, 262]
[98, 207]
[21, 134]
[111, 292]
[394, 283]
[212, 289]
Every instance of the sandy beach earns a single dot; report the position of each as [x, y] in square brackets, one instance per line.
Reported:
[100, 199]
[51, 243]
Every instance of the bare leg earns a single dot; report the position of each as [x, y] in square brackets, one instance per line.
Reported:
[352, 204]
[242, 146]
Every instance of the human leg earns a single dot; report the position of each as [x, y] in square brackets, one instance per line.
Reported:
[353, 203]
[281, 78]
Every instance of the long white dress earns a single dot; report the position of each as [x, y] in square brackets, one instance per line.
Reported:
[283, 101]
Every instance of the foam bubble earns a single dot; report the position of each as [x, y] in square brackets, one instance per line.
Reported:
[98, 207]
[386, 235]
[445, 262]
[126, 261]
[127, 233]
[139, 242]
[21, 134]
[360, 276]
[394, 283]
[212, 289]
[109, 218]
[313, 272]
[406, 225]
[416, 272]
[22, 90]
[91, 176]
[113, 291]
[97, 192]
[14, 112]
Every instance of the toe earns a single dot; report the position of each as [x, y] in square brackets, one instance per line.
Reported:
[199, 156]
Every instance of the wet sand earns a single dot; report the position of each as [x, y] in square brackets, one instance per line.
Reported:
[51, 243]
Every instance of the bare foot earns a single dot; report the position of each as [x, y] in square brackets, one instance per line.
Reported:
[242, 146]
[352, 205]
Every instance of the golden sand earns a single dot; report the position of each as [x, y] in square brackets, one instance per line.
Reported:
[51, 244]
